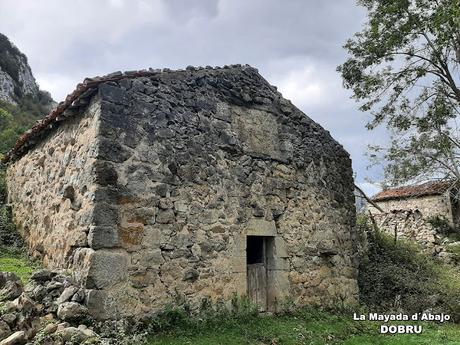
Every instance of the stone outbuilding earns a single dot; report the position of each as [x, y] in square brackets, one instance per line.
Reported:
[202, 183]
[430, 199]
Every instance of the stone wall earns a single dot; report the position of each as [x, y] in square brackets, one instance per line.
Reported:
[430, 205]
[185, 166]
[51, 190]
[196, 169]
[408, 225]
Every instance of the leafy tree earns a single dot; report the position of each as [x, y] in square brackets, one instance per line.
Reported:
[403, 67]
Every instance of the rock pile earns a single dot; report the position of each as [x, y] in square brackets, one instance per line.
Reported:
[49, 307]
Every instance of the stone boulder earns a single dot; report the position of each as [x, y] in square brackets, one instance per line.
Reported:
[10, 286]
[71, 311]
[42, 276]
[17, 338]
[5, 330]
[31, 312]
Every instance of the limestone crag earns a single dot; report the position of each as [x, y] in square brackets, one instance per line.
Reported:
[16, 79]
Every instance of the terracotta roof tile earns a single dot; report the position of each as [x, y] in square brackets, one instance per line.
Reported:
[414, 191]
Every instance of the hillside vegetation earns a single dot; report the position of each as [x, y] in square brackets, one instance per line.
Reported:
[399, 277]
[15, 120]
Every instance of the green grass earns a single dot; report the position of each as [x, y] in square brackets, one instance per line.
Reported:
[315, 329]
[16, 262]
[454, 249]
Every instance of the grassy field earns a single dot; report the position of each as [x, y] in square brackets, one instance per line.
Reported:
[17, 262]
[317, 328]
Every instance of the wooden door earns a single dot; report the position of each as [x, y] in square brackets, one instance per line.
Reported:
[257, 284]
[256, 260]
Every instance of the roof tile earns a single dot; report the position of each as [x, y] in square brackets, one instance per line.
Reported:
[414, 191]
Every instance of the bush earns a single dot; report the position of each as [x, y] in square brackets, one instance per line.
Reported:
[454, 249]
[9, 237]
[441, 225]
[398, 277]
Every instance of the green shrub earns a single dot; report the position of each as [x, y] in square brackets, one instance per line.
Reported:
[9, 237]
[15, 120]
[454, 249]
[17, 261]
[397, 276]
[441, 224]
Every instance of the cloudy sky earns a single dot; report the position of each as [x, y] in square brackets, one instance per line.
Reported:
[295, 44]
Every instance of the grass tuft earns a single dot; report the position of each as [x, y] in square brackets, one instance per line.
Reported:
[17, 261]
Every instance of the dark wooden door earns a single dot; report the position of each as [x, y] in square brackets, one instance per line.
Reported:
[257, 284]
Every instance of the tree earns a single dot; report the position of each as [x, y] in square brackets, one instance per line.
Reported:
[403, 67]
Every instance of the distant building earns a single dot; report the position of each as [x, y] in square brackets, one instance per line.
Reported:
[435, 198]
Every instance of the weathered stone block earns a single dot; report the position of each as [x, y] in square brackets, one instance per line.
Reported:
[103, 237]
[107, 268]
[104, 215]
[261, 227]
[276, 263]
[181, 206]
[238, 264]
[131, 235]
[71, 311]
[100, 304]
[280, 247]
[279, 289]
[105, 173]
[112, 151]
[113, 94]
[165, 216]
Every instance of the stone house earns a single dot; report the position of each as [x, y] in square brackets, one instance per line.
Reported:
[407, 211]
[203, 183]
[435, 198]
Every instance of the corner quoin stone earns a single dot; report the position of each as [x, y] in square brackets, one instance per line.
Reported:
[107, 268]
[103, 237]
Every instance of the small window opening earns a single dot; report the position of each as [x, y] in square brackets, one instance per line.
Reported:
[255, 250]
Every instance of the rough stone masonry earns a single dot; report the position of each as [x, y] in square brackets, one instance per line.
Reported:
[148, 186]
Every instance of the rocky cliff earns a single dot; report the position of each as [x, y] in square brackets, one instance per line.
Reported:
[16, 79]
